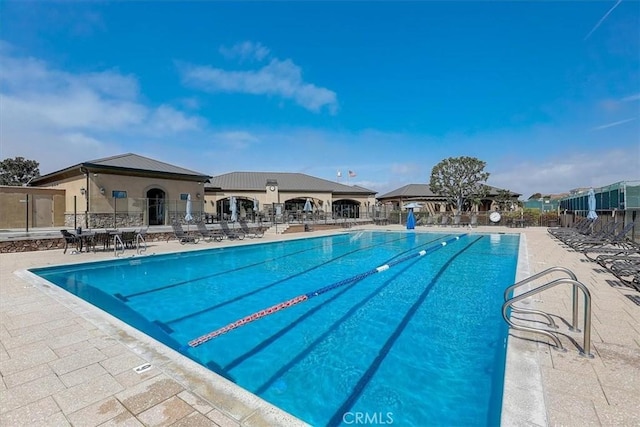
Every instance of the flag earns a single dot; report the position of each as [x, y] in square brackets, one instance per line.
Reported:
[352, 174]
[339, 174]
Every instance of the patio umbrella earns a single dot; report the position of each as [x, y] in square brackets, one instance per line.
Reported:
[234, 210]
[188, 217]
[411, 220]
[255, 205]
[592, 215]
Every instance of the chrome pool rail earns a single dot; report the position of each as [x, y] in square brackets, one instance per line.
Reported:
[572, 280]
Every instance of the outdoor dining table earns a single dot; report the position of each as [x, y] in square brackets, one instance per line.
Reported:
[85, 237]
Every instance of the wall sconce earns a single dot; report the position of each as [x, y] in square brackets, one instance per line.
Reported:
[197, 195]
[101, 190]
[82, 191]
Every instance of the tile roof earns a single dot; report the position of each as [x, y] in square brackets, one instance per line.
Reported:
[423, 190]
[128, 163]
[135, 161]
[287, 181]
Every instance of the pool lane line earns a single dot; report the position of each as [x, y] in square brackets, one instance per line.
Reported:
[125, 298]
[336, 419]
[277, 282]
[352, 310]
[304, 297]
[268, 341]
[274, 337]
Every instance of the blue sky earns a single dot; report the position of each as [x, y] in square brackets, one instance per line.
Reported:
[546, 93]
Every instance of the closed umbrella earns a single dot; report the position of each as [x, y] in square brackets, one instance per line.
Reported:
[234, 209]
[188, 217]
[411, 220]
[307, 206]
[592, 215]
[255, 205]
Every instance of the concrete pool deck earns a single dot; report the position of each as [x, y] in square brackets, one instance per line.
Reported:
[64, 362]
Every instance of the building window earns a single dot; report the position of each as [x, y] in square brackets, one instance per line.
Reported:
[184, 196]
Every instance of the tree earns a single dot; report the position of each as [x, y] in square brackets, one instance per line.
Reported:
[18, 171]
[535, 196]
[459, 179]
[504, 200]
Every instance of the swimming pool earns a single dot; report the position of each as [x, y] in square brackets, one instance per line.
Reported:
[421, 341]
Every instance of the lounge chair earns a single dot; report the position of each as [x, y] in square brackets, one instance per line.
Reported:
[209, 235]
[611, 239]
[70, 239]
[231, 234]
[182, 236]
[251, 231]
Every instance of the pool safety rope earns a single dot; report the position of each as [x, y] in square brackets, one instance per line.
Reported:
[304, 297]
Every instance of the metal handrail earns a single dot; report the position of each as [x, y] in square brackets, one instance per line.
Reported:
[586, 346]
[116, 240]
[140, 247]
[574, 295]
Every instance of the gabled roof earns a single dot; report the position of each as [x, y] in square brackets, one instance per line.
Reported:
[287, 181]
[410, 190]
[125, 164]
[424, 191]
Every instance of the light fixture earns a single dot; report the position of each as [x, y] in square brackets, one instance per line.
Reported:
[82, 191]
[101, 190]
[197, 195]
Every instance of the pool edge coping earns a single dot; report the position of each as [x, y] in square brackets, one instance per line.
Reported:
[523, 391]
[167, 360]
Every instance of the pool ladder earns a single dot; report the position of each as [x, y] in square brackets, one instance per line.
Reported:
[551, 334]
[141, 245]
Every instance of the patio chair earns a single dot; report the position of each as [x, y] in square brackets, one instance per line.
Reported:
[251, 231]
[456, 221]
[129, 239]
[231, 234]
[444, 220]
[208, 235]
[182, 236]
[70, 239]
[430, 221]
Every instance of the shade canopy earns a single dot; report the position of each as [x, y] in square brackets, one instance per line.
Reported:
[412, 205]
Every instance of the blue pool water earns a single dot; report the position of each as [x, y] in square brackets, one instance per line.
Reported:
[421, 342]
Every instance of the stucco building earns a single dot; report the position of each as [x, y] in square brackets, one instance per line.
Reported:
[283, 195]
[124, 190]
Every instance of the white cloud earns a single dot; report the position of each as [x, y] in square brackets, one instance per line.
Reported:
[558, 175]
[277, 78]
[47, 112]
[245, 51]
[238, 140]
[635, 97]
[613, 124]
